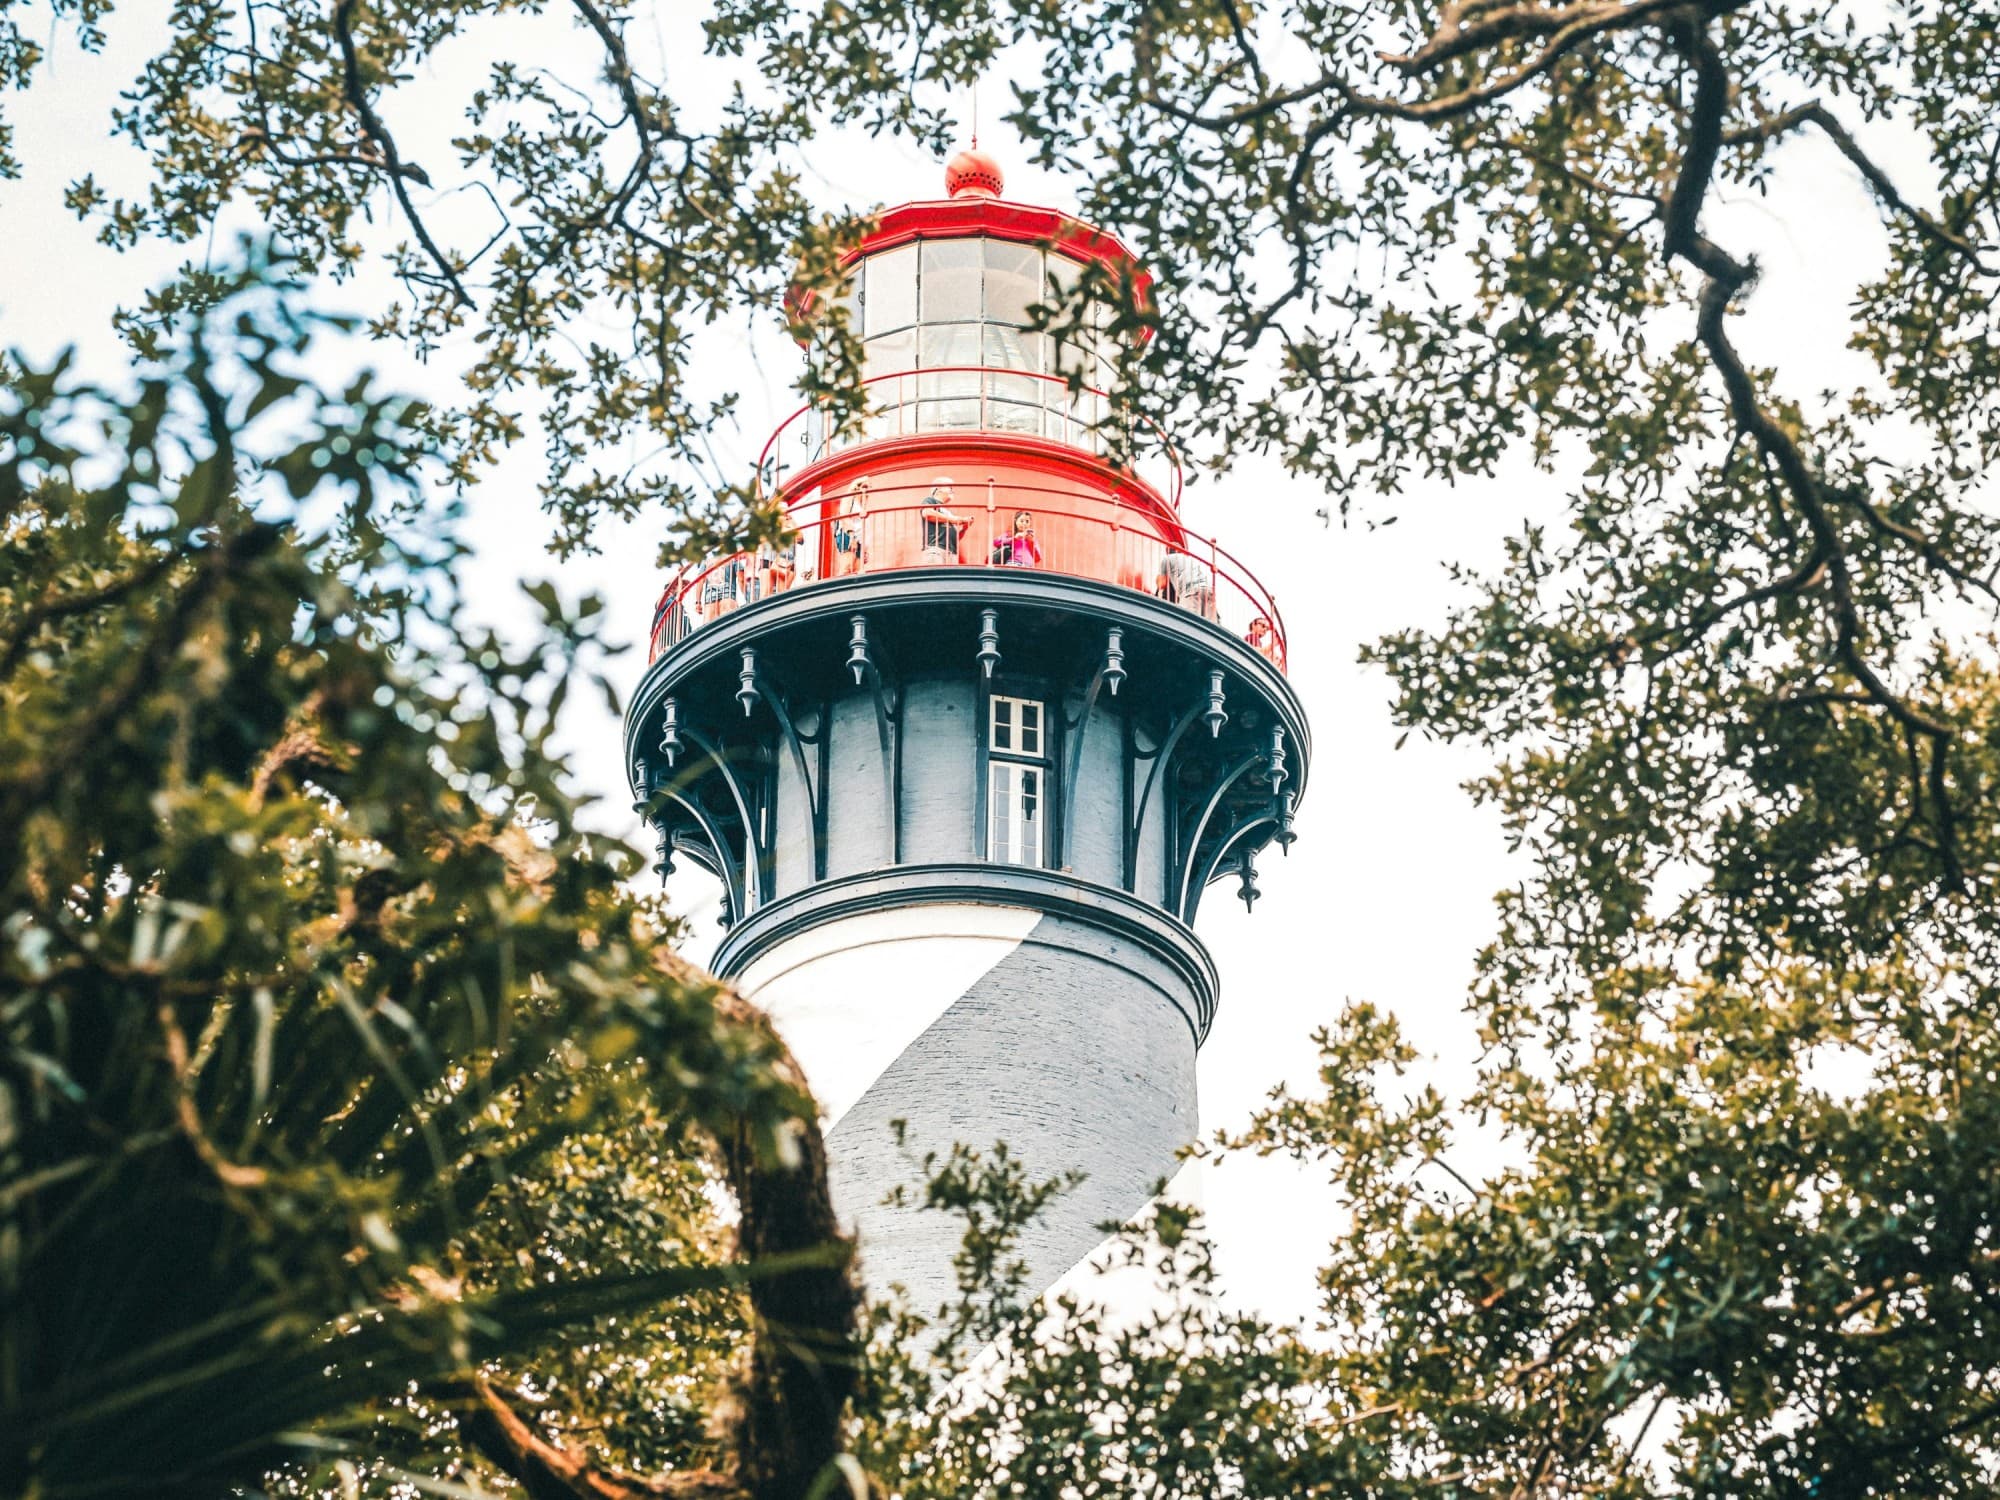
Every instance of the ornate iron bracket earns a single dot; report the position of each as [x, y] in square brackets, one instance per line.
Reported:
[1192, 847]
[1161, 758]
[1238, 831]
[756, 887]
[759, 682]
[733, 895]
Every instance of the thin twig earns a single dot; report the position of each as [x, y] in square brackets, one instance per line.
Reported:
[356, 94]
[1884, 187]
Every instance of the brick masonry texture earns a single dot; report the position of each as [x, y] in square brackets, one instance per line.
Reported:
[1076, 1051]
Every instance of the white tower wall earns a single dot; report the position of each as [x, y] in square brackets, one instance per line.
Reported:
[976, 1024]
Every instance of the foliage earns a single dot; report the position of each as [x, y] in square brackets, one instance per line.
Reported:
[1136, 1382]
[318, 1000]
[576, 206]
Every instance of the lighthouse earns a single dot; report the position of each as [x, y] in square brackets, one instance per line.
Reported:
[968, 750]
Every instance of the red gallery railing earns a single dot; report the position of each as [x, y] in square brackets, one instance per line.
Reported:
[1083, 534]
[973, 400]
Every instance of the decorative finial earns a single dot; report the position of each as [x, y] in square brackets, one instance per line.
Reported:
[747, 693]
[1216, 716]
[989, 640]
[1246, 870]
[858, 659]
[670, 731]
[973, 174]
[1114, 659]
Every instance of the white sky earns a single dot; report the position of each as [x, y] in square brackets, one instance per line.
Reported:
[1386, 895]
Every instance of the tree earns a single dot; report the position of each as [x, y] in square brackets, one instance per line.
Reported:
[318, 1002]
[1739, 1016]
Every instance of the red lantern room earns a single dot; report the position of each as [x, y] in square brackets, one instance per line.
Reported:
[986, 440]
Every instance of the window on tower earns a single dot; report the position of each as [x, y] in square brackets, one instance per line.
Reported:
[1017, 781]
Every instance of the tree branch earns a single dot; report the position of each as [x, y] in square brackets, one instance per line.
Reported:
[618, 69]
[804, 1358]
[1726, 276]
[46, 610]
[356, 94]
[1453, 38]
[1884, 188]
[1587, 22]
[488, 1422]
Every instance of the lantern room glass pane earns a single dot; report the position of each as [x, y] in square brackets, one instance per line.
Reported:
[1013, 281]
[1016, 388]
[1078, 358]
[951, 344]
[1014, 404]
[1012, 348]
[889, 294]
[888, 354]
[949, 416]
[951, 274]
[1005, 416]
[1061, 275]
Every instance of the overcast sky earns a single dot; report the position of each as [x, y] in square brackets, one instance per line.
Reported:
[1388, 892]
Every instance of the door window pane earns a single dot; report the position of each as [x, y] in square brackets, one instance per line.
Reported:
[951, 280]
[1000, 798]
[889, 295]
[1014, 832]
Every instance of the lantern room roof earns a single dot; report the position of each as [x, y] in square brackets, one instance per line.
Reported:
[974, 208]
[972, 214]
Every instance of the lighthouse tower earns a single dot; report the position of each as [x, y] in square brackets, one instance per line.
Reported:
[966, 753]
